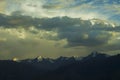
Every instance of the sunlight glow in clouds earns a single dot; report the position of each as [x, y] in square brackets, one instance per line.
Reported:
[52, 28]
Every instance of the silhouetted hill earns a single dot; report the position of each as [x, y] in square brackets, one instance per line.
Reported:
[49, 64]
[10, 70]
[96, 66]
[91, 67]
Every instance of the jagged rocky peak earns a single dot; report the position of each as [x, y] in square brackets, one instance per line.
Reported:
[38, 59]
[61, 58]
[97, 54]
[94, 54]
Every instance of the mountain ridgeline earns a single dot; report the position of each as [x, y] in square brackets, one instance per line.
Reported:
[95, 66]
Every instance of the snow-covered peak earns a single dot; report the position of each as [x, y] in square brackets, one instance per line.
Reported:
[38, 59]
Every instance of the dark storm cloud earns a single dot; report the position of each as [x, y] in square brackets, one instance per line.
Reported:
[14, 21]
[31, 28]
[77, 32]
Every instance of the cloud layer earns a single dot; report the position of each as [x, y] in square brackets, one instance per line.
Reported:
[53, 28]
[86, 9]
[25, 36]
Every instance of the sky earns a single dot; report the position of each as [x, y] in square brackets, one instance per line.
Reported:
[53, 28]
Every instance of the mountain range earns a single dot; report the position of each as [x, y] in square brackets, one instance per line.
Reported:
[95, 66]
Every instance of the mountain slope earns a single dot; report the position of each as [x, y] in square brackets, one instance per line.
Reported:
[96, 66]
[88, 69]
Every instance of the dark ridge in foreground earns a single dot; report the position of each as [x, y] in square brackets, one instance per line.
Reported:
[96, 66]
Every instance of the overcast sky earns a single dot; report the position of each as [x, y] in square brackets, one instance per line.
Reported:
[53, 28]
